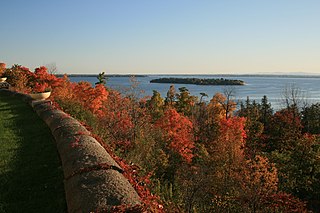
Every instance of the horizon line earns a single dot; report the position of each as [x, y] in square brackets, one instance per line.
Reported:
[218, 74]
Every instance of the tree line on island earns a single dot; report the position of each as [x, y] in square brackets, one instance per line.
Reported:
[183, 154]
[198, 81]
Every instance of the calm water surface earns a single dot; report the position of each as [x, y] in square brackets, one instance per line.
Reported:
[256, 86]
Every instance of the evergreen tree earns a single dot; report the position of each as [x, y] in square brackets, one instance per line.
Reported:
[311, 119]
[101, 79]
[171, 94]
[265, 111]
[185, 102]
[155, 105]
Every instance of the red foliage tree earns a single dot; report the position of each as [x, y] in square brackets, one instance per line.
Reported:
[65, 90]
[117, 122]
[18, 77]
[40, 80]
[177, 131]
[259, 181]
[227, 155]
[91, 98]
[232, 135]
[2, 68]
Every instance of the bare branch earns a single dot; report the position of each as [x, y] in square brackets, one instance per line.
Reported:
[52, 68]
[293, 96]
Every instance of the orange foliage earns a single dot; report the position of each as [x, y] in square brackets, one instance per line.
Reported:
[220, 107]
[91, 98]
[178, 133]
[232, 136]
[2, 68]
[18, 78]
[117, 120]
[259, 181]
[41, 80]
[65, 90]
[261, 176]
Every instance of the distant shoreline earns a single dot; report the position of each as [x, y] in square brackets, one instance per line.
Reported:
[204, 75]
[96, 75]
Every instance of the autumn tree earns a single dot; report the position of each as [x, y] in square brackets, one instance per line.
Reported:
[65, 91]
[126, 123]
[216, 109]
[18, 77]
[259, 182]
[229, 145]
[178, 139]
[221, 106]
[117, 122]
[227, 156]
[137, 109]
[2, 68]
[177, 131]
[41, 77]
[92, 98]
[214, 176]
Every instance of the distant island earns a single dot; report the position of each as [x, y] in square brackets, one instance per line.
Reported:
[107, 75]
[199, 81]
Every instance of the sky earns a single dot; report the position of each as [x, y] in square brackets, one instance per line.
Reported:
[162, 36]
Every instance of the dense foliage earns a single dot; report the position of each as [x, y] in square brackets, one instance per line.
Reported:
[187, 155]
[198, 81]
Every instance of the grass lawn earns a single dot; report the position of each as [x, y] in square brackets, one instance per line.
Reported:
[31, 178]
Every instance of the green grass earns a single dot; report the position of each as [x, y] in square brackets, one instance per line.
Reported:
[31, 178]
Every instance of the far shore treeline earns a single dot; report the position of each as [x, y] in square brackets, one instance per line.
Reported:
[198, 81]
[95, 75]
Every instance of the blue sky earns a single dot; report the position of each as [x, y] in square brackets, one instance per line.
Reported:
[162, 36]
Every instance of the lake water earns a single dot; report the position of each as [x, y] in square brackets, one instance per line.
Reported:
[256, 86]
